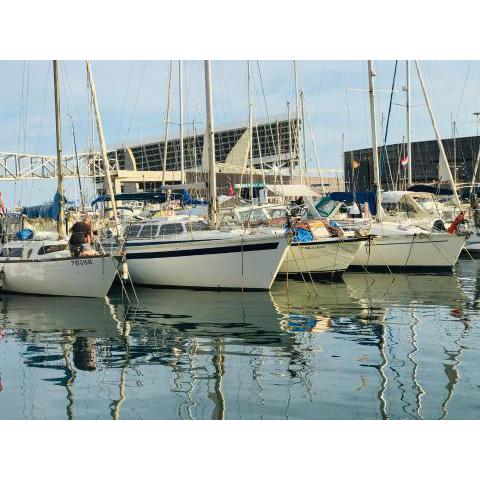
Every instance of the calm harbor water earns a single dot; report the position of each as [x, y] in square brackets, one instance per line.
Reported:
[370, 347]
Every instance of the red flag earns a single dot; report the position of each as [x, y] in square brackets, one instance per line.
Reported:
[2, 205]
[404, 161]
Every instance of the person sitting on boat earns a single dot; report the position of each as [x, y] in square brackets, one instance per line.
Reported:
[81, 239]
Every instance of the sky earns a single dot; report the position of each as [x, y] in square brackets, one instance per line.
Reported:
[132, 99]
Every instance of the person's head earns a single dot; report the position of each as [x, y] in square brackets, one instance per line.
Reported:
[88, 220]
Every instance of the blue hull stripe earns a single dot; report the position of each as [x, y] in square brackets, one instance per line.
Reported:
[203, 251]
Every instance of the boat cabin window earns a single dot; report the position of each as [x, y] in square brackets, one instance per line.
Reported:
[278, 213]
[148, 231]
[133, 230]
[51, 249]
[12, 252]
[196, 226]
[171, 229]
[253, 215]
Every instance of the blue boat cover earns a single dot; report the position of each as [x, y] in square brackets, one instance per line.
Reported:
[24, 234]
[47, 210]
[302, 235]
[359, 197]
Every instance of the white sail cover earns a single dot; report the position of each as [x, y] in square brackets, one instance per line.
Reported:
[293, 190]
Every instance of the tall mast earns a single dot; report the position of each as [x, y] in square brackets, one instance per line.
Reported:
[167, 121]
[290, 143]
[210, 145]
[376, 167]
[297, 113]
[58, 130]
[443, 155]
[455, 151]
[103, 148]
[250, 129]
[302, 100]
[180, 95]
[409, 142]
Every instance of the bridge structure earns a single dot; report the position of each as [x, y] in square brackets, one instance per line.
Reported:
[25, 166]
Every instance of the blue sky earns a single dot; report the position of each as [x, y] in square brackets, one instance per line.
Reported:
[132, 98]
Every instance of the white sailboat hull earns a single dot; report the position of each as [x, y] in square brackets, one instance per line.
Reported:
[246, 262]
[82, 277]
[329, 256]
[417, 252]
[472, 244]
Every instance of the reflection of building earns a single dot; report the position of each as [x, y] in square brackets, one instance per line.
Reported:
[425, 163]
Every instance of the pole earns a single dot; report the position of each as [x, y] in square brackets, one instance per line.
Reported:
[103, 148]
[210, 145]
[58, 131]
[409, 142]
[376, 169]
[82, 199]
[290, 143]
[437, 135]
[297, 113]
[250, 129]
[302, 100]
[167, 121]
[455, 152]
[180, 94]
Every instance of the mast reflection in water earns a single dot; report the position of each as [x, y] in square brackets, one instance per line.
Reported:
[379, 346]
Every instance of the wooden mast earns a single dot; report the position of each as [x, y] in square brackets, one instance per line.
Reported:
[443, 155]
[58, 130]
[103, 148]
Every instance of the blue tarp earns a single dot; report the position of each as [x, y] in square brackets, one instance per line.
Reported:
[359, 197]
[302, 235]
[47, 210]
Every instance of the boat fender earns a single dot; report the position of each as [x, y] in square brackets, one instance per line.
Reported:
[460, 218]
[124, 271]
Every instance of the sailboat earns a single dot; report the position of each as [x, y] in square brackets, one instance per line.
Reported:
[185, 251]
[398, 247]
[45, 267]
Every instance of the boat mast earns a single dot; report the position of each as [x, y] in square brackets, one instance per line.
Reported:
[180, 95]
[376, 167]
[290, 143]
[210, 145]
[437, 135]
[58, 130]
[250, 129]
[302, 100]
[103, 148]
[167, 120]
[409, 143]
[297, 113]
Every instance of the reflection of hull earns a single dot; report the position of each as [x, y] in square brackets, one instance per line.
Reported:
[320, 257]
[403, 253]
[249, 317]
[85, 316]
[241, 262]
[400, 289]
[82, 277]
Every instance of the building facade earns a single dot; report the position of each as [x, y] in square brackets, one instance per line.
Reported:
[426, 167]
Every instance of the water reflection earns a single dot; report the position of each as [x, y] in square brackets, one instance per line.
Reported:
[377, 346]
